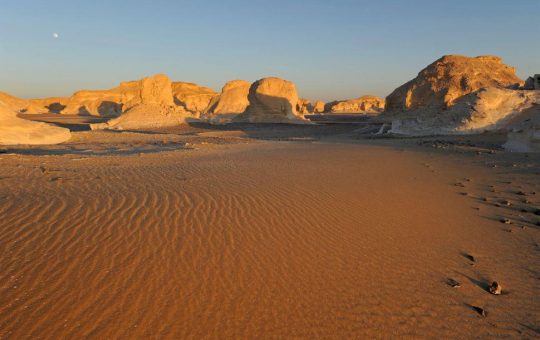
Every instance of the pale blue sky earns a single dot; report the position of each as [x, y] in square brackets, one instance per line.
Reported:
[333, 49]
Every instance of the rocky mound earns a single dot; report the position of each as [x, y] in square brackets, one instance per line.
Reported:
[370, 105]
[192, 97]
[232, 100]
[304, 106]
[488, 109]
[532, 83]
[271, 100]
[148, 103]
[14, 130]
[318, 107]
[445, 81]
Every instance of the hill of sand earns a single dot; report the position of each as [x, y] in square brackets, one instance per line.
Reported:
[214, 233]
[370, 105]
[271, 100]
[14, 130]
[448, 79]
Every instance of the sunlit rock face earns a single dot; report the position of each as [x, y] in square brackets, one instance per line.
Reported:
[370, 105]
[14, 130]
[445, 81]
[272, 100]
[459, 94]
[192, 97]
[147, 103]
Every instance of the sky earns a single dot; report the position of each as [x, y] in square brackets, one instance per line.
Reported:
[334, 49]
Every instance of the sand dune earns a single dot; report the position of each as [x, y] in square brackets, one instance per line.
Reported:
[255, 238]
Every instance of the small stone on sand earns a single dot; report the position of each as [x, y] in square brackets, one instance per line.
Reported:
[495, 288]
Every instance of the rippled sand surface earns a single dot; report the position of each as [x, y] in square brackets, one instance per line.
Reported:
[266, 239]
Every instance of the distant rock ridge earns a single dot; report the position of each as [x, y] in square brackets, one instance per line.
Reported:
[369, 105]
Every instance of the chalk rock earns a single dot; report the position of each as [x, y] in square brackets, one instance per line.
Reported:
[441, 84]
[488, 109]
[192, 97]
[370, 105]
[318, 107]
[147, 103]
[532, 83]
[232, 100]
[271, 100]
[15, 130]
[304, 106]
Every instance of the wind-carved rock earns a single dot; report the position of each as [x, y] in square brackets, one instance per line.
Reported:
[272, 100]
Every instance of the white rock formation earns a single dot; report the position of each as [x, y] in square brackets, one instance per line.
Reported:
[15, 130]
[271, 100]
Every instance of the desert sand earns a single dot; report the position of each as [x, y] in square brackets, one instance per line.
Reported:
[267, 231]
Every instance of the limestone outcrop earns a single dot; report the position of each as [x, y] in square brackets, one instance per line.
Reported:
[318, 107]
[271, 100]
[304, 106]
[440, 85]
[232, 100]
[15, 130]
[369, 105]
[487, 109]
[532, 83]
[192, 97]
[147, 103]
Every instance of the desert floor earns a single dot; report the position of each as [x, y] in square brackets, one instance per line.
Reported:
[267, 232]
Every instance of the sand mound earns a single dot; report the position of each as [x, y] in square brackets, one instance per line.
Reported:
[445, 81]
[488, 109]
[145, 116]
[192, 97]
[14, 130]
[365, 105]
[271, 100]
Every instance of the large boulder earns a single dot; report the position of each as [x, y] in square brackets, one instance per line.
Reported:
[271, 100]
[192, 97]
[487, 109]
[532, 83]
[370, 105]
[441, 84]
[319, 107]
[147, 103]
[304, 106]
[15, 130]
[232, 100]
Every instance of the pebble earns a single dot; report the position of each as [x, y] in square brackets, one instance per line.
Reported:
[505, 221]
[495, 288]
[480, 311]
[453, 283]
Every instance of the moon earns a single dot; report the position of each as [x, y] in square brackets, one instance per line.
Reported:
[55, 35]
